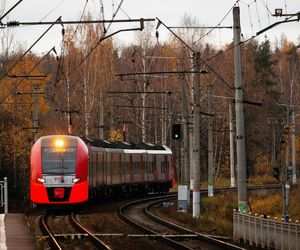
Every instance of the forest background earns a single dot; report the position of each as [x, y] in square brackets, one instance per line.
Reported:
[86, 71]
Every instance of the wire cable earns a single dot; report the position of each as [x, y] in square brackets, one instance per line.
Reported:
[55, 8]
[207, 33]
[257, 13]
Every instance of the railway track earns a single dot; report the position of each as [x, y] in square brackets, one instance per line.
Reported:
[137, 214]
[54, 239]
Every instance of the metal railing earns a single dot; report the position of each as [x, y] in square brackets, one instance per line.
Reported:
[264, 232]
[3, 194]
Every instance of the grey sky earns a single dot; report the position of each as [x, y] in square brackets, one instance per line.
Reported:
[254, 17]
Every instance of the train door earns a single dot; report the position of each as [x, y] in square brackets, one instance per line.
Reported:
[160, 167]
[127, 167]
[100, 168]
[104, 171]
[94, 177]
[137, 167]
[143, 167]
[108, 168]
[155, 167]
[150, 167]
[131, 168]
[114, 165]
[167, 167]
[171, 167]
[90, 167]
[122, 168]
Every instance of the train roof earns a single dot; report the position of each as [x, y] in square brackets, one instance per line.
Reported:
[123, 145]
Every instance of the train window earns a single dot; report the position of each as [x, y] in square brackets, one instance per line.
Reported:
[59, 162]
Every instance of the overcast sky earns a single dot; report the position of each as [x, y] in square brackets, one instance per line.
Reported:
[255, 15]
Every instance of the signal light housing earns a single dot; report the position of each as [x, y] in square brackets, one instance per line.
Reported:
[176, 131]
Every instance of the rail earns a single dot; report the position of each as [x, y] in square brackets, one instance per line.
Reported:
[46, 231]
[98, 243]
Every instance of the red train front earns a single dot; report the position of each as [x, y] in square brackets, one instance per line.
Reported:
[59, 170]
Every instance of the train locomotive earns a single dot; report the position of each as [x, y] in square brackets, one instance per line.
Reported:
[66, 169]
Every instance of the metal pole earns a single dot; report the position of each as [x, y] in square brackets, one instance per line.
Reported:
[283, 188]
[287, 151]
[210, 144]
[191, 136]
[231, 145]
[5, 196]
[143, 98]
[86, 111]
[294, 180]
[101, 120]
[274, 158]
[239, 109]
[35, 112]
[111, 117]
[164, 116]
[196, 139]
[186, 141]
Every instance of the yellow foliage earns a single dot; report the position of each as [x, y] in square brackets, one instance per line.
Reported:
[115, 135]
[269, 205]
[261, 165]
[261, 179]
[288, 47]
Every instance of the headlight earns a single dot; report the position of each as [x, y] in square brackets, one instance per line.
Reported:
[75, 180]
[59, 143]
[42, 180]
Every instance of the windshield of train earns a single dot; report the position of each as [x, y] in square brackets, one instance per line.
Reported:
[59, 162]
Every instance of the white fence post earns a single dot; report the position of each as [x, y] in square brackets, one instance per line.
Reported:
[266, 232]
[5, 196]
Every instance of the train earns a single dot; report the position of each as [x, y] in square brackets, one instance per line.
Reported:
[67, 169]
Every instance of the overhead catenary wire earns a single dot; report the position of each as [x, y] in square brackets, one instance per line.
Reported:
[25, 53]
[257, 13]
[207, 33]
[14, 88]
[99, 39]
[51, 11]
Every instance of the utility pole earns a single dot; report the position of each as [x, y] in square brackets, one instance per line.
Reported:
[35, 112]
[143, 98]
[294, 180]
[239, 109]
[196, 139]
[210, 144]
[287, 141]
[186, 141]
[101, 120]
[287, 153]
[164, 115]
[231, 145]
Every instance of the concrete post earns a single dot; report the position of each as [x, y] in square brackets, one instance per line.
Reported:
[239, 109]
[231, 145]
[35, 112]
[210, 144]
[294, 180]
[186, 141]
[196, 139]
[101, 119]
